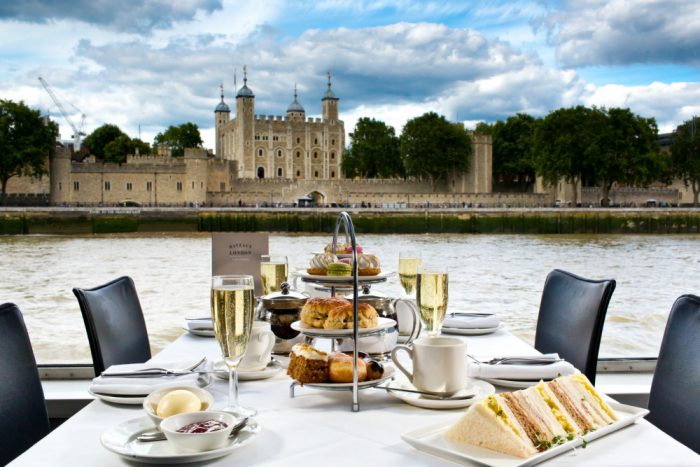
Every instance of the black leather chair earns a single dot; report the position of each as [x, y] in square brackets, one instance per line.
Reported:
[23, 416]
[570, 322]
[114, 322]
[675, 389]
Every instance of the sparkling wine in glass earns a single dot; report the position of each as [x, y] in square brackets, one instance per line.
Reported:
[273, 270]
[232, 304]
[409, 261]
[431, 297]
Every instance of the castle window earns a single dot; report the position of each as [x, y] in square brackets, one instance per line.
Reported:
[257, 137]
[261, 172]
[275, 138]
[128, 186]
[298, 154]
[201, 185]
[178, 186]
[298, 173]
[193, 185]
[279, 171]
[76, 186]
[332, 155]
[107, 186]
[60, 186]
[222, 186]
[316, 174]
[261, 152]
[315, 140]
[332, 142]
[149, 186]
[332, 174]
[315, 155]
[298, 140]
[279, 153]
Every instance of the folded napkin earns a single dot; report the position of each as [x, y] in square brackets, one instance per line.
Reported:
[470, 321]
[520, 371]
[135, 386]
[199, 324]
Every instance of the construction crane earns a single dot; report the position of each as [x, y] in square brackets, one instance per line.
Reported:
[77, 131]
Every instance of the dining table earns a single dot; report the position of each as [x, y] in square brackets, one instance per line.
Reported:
[318, 428]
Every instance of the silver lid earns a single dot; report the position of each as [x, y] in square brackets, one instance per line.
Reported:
[285, 299]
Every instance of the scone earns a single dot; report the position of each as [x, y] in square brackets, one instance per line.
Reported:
[368, 265]
[316, 310]
[340, 368]
[318, 264]
[341, 317]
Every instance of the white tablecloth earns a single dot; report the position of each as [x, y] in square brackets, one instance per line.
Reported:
[317, 428]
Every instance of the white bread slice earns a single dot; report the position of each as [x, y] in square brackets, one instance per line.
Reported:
[565, 419]
[481, 426]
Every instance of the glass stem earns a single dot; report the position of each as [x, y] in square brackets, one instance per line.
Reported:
[232, 387]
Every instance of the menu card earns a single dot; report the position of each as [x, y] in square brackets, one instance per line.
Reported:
[239, 253]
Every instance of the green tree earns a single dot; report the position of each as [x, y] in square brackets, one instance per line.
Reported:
[118, 149]
[685, 155]
[180, 137]
[374, 151]
[483, 128]
[434, 148]
[513, 143]
[143, 147]
[623, 151]
[25, 142]
[100, 138]
[562, 143]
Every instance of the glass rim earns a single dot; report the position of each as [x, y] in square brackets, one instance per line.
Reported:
[277, 257]
[433, 269]
[232, 276]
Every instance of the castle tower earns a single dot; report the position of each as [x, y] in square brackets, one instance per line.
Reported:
[222, 114]
[295, 109]
[245, 128]
[329, 103]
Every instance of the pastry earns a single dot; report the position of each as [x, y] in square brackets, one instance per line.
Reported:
[375, 370]
[317, 265]
[307, 364]
[340, 368]
[338, 269]
[342, 248]
[342, 317]
[521, 423]
[315, 310]
[368, 265]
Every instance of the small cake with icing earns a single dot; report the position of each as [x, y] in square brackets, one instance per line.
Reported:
[338, 268]
[342, 248]
[368, 265]
[319, 263]
[307, 364]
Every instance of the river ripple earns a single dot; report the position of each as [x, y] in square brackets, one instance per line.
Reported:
[503, 274]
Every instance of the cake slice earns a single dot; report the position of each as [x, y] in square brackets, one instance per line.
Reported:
[307, 364]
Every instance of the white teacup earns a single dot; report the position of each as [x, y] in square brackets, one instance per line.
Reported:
[439, 363]
[259, 350]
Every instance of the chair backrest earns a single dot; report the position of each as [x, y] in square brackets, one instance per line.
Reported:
[570, 322]
[675, 389]
[23, 416]
[114, 323]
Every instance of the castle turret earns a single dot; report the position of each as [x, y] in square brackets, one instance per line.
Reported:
[295, 109]
[245, 128]
[329, 103]
[222, 115]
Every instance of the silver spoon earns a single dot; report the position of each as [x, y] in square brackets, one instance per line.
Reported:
[150, 436]
[433, 395]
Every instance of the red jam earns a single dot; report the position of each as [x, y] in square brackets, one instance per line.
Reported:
[207, 426]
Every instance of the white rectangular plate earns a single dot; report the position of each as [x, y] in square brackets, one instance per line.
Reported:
[432, 441]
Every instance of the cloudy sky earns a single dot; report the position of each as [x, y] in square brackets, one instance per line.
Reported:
[152, 63]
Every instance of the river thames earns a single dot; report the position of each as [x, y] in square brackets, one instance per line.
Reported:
[503, 274]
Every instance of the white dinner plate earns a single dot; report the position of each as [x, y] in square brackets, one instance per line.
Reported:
[114, 399]
[432, 440]
[471, 331]
[480, 389]
[122, 440]
[200, 332]
[382, 323]
[268, 372]
[341, 279]
[388, 374]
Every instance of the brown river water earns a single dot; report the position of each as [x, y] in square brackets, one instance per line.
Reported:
[503, 274]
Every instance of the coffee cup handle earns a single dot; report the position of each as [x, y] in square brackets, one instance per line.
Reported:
[409, 351]
[270, 336]
[416, 325]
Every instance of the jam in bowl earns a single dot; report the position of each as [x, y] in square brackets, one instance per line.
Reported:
[198, 431]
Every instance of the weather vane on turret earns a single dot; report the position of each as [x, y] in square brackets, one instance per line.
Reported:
[221, 86]
[245, 75]
[329, 78]
[235, 83]
[295, 91]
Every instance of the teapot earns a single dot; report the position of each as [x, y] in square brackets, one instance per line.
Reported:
[281, 309]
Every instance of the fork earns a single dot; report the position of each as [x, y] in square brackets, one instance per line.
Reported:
[157, 371]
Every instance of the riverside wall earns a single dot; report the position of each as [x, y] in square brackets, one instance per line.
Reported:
[21, 221]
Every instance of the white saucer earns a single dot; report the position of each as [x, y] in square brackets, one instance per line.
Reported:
[114, 399]
[480, 389]
[122, 440]
[200, 332]
[513, 383]
[268, 372]
[471, 331]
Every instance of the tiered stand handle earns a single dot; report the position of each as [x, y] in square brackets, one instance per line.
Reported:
[344, 218]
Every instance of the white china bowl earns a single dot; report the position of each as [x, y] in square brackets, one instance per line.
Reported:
[151, 402]
[197, 442]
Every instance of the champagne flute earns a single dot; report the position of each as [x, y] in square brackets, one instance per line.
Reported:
[232, 303]
[273, 271]
[409, 261]
[431, 296]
